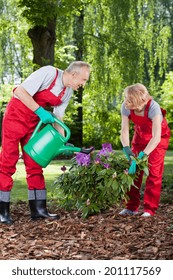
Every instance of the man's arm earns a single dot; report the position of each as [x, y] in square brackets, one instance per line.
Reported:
[58, 127]
[26, 98]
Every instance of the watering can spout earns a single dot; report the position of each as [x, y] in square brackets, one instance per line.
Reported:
[87, 151]
[75, 150]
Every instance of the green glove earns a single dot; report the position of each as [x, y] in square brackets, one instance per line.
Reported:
[45, 116]
[141, 155]
[128, 152]
[132, 169]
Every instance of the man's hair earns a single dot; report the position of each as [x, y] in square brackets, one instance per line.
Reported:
[77, 65]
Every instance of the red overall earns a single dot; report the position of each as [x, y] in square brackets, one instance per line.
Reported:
[18, 125]
[142, 135]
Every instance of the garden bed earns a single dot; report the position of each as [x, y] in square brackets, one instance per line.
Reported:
[104, 236]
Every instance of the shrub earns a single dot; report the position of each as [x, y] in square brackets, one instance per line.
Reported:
[97, 181]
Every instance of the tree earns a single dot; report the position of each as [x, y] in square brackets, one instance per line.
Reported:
[42, 15]
[79, 55]
[124, 41]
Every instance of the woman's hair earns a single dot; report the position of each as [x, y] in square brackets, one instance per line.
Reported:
[77, 65]
[136, 96]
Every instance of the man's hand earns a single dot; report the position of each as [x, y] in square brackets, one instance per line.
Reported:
[45, 116]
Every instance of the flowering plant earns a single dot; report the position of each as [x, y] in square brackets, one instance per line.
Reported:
[97, 181]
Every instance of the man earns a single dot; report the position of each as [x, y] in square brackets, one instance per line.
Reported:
[47, 86]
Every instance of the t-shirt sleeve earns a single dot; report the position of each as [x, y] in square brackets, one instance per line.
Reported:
[124, 111]
[154, 110]
[39, 80]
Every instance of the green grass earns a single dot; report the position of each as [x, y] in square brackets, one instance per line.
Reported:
[19, 191]
[168, 162]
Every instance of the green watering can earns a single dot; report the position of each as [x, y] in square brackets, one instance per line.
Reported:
[47, 143]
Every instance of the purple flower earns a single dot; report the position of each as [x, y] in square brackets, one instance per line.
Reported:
[83, 159]
[106, 165]
[106, 149]
[126, 171]
[97, 160]
[107, 146]
[63, 168]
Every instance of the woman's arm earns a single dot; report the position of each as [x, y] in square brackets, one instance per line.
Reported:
[156, 135]
[124, 136]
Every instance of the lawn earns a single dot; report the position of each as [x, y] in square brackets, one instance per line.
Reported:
[19, 191]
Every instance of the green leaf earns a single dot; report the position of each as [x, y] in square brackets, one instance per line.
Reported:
[115, 185]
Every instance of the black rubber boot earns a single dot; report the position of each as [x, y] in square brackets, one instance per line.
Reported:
[37, 204]
[5, 213]
[39, 210]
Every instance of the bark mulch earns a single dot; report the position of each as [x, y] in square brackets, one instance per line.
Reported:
[106, 236]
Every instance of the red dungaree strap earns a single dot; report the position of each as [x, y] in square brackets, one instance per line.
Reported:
[53, 83]
[147, 108]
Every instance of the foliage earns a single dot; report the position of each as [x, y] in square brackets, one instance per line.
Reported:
[124, 41]
[41, 12]
[15, 51]
[5, 95]
[34, 10]
[101, 121]
[166, 97]
[96, 182]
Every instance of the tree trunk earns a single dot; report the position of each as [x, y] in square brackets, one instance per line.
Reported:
[43, 40]
[77, 134]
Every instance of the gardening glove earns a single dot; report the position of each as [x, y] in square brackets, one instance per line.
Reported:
[45, 116]
[132, 168]
[68, 152]
[128, 152]
[141, 155]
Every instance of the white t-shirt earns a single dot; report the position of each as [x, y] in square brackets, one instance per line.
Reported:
[41, 79]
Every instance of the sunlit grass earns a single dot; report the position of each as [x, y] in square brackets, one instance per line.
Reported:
[20, 190]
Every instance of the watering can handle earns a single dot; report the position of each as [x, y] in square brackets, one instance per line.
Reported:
[67, 130]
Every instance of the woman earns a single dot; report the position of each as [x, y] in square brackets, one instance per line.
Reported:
[151, 138]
